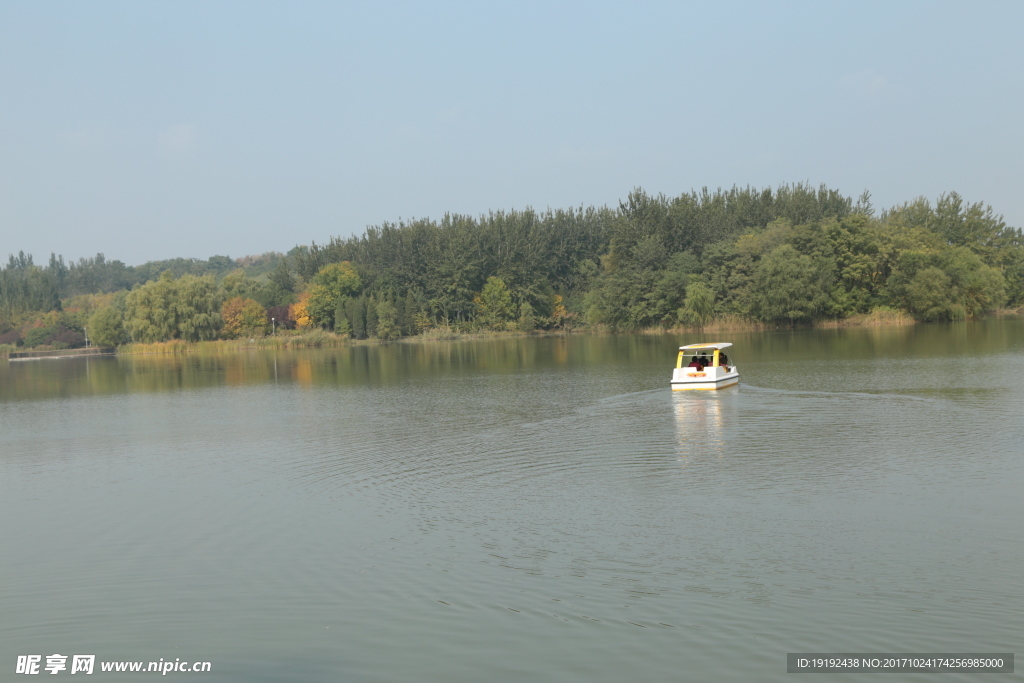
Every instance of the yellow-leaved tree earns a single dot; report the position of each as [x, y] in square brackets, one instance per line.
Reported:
[299, 313]
[559, 314]
[329, 287]
[243, 318]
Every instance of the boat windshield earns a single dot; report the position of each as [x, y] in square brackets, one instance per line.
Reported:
[709, 357]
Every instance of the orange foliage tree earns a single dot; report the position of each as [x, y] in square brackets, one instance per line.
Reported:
[299, 313]
[243, 317]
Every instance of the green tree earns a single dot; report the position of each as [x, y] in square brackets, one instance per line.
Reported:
[321, 305]
[494, 305]
[331, 283]
[340, 279]
[355, 313]
[237, 283]
[789, 285]
[281, 285]
[37, 336]
[341, 325]
[929, 295]
[387, 320]
[699, 308]
[371, 316]
[165, 309]
[401, 316]
[855, 245]
[150, 313]
[945, 283]
[196, 308]
[25, 286]
[984, 289]
[527, 320]
[669, 291]
[106, 327]
[975, 226]
[978, 287]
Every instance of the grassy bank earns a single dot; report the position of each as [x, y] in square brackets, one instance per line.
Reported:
[1008, 312]
[728, 323]
[314, 339]
[444, 333]
[879, 316]
[735, 323]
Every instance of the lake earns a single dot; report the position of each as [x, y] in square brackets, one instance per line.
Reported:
[540, 508]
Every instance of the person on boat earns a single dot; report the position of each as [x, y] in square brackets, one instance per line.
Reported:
[723, 360]
[695, 363]
[704, 360]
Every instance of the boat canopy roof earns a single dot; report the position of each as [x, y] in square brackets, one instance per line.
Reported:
[718, 345]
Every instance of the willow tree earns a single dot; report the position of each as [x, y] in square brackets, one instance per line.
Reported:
[699, 308]
[196, 308]
[150, 311]
[186, 308]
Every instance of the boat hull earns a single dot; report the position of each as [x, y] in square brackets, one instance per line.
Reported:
[689, 379]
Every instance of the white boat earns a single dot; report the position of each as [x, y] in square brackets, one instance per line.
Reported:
[704, 366]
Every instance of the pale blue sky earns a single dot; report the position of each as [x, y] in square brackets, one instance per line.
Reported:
[148, 130]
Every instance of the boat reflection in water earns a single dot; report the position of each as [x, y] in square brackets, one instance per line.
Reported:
[701, 421]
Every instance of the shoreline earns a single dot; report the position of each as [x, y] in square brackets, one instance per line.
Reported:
[317, 339]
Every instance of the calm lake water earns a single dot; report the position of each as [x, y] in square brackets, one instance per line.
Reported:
[523, 509]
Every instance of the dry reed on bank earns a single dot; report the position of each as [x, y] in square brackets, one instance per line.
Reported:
[876, 316]
[312, 339]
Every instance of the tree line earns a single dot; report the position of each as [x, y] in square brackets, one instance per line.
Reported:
[789, 255]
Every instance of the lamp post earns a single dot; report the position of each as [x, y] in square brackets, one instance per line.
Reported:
[273, 327]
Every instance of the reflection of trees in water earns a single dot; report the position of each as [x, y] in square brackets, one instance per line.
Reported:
[387, 364]
[934, 340]
[700, 415]
[700, 424]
